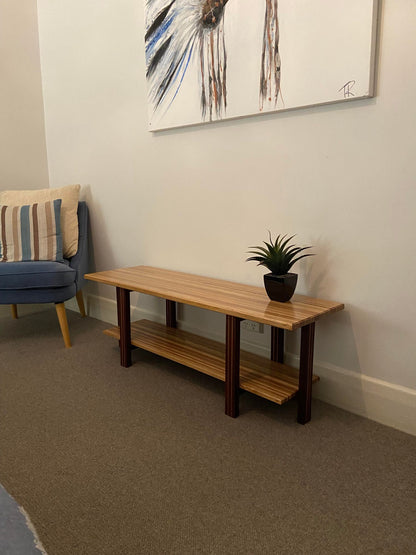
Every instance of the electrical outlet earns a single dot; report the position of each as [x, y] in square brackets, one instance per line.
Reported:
[254, 327]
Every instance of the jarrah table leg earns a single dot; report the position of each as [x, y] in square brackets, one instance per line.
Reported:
[123, 315]
[277, 345]
[171, 314]
[305, 373]
[232, 366]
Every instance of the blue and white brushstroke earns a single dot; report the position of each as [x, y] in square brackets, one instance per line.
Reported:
[175, 32]
[179, 30]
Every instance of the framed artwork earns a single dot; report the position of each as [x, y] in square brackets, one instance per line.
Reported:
[209, 60]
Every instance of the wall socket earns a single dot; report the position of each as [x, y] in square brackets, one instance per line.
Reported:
[254, 327]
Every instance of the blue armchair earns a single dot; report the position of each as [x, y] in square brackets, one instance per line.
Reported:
[49, 282]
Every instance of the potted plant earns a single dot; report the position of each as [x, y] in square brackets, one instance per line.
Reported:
[279, 256]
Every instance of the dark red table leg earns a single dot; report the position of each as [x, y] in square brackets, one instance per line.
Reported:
[232, 366]
[305, 373]
[123, 315]
[278, 345]
[171, 314]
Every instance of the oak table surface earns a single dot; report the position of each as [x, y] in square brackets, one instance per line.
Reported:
[235, 299]
[270, 379]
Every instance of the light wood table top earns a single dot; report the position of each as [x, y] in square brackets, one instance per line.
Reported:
[235, 299]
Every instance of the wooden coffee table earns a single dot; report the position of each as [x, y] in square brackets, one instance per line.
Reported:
[271, 379]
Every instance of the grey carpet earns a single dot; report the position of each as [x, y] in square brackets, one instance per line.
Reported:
[108, 460]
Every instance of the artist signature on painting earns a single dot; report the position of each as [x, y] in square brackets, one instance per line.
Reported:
[346, 89]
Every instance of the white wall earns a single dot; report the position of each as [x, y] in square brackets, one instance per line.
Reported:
[341, 177]
[23, 161]
[23, 158]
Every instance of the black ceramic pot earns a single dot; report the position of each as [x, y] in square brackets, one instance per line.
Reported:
[280, 288]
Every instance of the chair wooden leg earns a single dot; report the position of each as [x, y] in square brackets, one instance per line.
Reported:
[14, 310]
[63, 322]
[80, 301]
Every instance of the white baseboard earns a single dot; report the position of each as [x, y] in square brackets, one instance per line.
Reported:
[106, 310]
[384, 402]
[375, 399]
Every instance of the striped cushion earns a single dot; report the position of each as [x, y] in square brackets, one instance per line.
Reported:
[31, 232]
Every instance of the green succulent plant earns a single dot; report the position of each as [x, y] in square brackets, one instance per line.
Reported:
[278, 256]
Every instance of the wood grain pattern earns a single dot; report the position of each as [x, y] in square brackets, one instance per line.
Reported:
[259, 375]
[232, 365]
[123, 317]
[63, 322]
[80, 301]
[235, 299]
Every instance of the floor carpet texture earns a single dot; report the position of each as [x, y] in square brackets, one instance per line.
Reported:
[109, 460]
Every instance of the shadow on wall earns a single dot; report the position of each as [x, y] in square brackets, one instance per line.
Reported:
[316, 273]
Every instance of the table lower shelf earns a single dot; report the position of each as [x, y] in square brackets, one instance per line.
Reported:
[271, 380]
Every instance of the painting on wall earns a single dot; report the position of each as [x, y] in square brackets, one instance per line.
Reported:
[209, 60]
